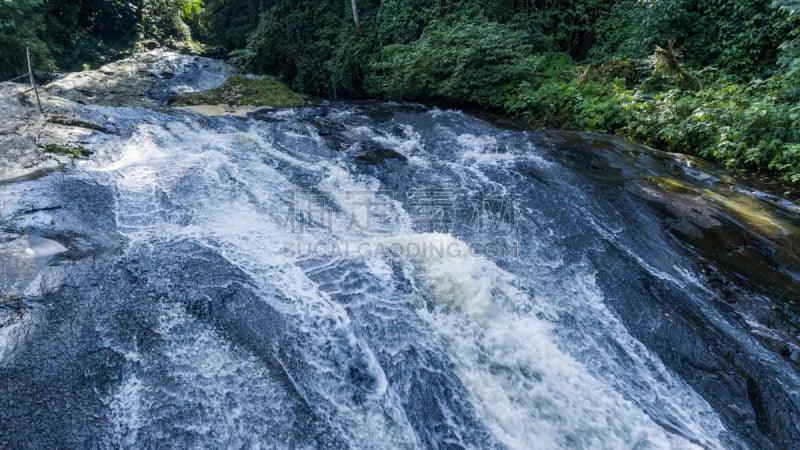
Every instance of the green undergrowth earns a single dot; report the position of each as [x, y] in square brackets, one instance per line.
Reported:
[751, 126]
[244, 91]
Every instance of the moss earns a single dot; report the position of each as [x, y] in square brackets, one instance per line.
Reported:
[750, 211]
[244, 91]
[73, 122]
[671, 184]
[75, 152]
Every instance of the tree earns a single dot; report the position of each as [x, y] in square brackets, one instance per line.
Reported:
[743, 37]
[162, 20]
[20, 27]
[230, 23]
[354, 6]
[82, 32]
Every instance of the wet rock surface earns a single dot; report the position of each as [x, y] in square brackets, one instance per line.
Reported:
[746, 243]
[19, 153]
[144, 79]
[25, 132]
[373, 154]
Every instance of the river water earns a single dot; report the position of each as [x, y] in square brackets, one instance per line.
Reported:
[365, 276]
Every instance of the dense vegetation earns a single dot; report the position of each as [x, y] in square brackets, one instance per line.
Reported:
[716, 78]
[73, 34]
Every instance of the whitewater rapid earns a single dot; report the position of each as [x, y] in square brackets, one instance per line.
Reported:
[231, 186]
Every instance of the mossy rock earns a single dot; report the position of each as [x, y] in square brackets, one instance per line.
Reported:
[75, 152]
[244, 91]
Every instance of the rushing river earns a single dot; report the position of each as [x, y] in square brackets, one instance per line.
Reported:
[364, 276]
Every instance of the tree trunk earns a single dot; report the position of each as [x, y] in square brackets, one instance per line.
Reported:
[355, 17]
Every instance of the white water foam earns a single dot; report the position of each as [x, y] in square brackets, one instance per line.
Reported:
[528, 389]
[197, 388]
[233, 201]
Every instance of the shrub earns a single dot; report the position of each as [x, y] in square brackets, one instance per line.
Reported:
[474, 63]
[20, 27]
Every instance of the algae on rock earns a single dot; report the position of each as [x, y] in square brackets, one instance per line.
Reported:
[68, 150]
[244, 91]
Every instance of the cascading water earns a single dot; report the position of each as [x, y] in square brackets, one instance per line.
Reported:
[343, 276]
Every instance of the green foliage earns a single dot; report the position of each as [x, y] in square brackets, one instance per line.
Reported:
[229, 23]
[87, 31]
[470, 63]
[565, 96]
[82, 33]
[70, 35]
[162, 20]
[345, 68]
[402, 21]
[192, 9]
[295, 41]
[618, 32]
[20, 27]
[569, 24]
[740, 36]
[788, 77]
[744, 126]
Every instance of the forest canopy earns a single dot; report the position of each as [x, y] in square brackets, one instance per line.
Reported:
[71, 35]
[716, 78]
